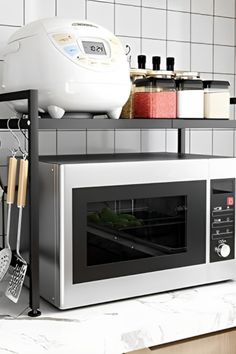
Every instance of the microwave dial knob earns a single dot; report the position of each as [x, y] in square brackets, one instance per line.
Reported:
[223, 250]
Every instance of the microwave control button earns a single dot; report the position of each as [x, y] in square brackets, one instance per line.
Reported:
[230, 200]
[223, 250]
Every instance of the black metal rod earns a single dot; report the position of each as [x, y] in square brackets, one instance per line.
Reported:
[14, 96]
[13, 123]
[34, 297]
[181, 141]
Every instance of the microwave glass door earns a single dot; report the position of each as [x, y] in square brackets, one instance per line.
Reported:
[123, 230]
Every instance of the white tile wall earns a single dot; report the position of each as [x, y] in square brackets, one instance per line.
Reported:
[127, 20]
[202, 28]
[223, 142]
[202, 6]
[152, 46]
[179, 5]
[181, 52]
[200, 141]
[94, 10]
[127, 141]
[153, 23]
[224, 61]
[71, 142]
[36, 9]
[159, 4]
[129, 2]
[225, 8]
[153, 141]
[47, 142]
[12, 12]
[100, 141]
[224, 31]
[185, 29]
[71, 8]
[201, 57]
[178, 26]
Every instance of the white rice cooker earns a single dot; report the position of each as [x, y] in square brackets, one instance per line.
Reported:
[77, 66]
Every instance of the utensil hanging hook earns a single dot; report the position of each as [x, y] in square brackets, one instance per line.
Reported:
[24, 152]
[14, 151]
[128, 50]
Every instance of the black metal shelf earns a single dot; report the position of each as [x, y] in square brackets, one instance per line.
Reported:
[103, 123]
[33, 124]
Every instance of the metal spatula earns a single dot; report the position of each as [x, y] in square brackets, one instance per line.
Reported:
[16, 282]
[5, 253]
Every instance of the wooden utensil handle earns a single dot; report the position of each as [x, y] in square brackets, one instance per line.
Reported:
[22, 187]
[11, 180]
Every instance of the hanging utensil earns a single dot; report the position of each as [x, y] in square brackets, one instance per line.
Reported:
[16, 282]
[5, 253]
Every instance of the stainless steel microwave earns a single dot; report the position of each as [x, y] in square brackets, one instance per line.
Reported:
[126, 225]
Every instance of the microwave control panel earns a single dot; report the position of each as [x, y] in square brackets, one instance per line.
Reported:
[222, 220]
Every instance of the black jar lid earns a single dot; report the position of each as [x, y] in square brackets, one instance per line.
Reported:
[156, 82]
[183, 84]
[216, 84]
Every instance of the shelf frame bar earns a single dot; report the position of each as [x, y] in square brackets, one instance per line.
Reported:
[31, 124]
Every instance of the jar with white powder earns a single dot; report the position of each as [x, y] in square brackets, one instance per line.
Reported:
[190, 95]
[216, 99]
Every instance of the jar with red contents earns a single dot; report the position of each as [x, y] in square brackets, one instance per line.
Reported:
[155, 97]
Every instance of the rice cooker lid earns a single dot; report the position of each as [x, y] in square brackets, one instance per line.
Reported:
[50, 25]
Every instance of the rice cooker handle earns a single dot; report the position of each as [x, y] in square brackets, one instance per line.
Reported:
[10, 48]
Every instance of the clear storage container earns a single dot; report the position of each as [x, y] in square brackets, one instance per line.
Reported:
[127, 110]
[216, 99]
[155, 97]
[190, 95]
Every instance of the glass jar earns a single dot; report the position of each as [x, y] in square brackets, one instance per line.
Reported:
[216, 99]
[190, 95]
[155, 97]
[127, 110]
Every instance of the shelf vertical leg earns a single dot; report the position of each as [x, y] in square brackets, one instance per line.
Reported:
[34, 207]
[181, 141]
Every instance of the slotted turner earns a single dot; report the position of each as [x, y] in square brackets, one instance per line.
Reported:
[16, 282]
[5, 253]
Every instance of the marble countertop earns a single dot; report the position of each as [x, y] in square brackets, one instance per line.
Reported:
[117, 327]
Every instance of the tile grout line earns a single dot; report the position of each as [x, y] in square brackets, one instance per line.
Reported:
[213, 64]
[166, 39]
[86, 9]
[175, 41]
[56, 8]
[24, 12]
[234, 111]
[190, 52]
[166, 48]
[161, 8]
[141, 27]
[114, 17]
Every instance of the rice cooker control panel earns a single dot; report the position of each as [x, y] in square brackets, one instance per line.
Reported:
[87, 51]
[222, 220]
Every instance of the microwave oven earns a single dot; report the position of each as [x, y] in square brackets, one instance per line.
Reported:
[124, 225]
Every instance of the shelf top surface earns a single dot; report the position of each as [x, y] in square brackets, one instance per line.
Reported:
[127, 157]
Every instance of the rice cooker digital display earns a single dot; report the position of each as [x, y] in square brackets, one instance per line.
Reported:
[96, 48]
